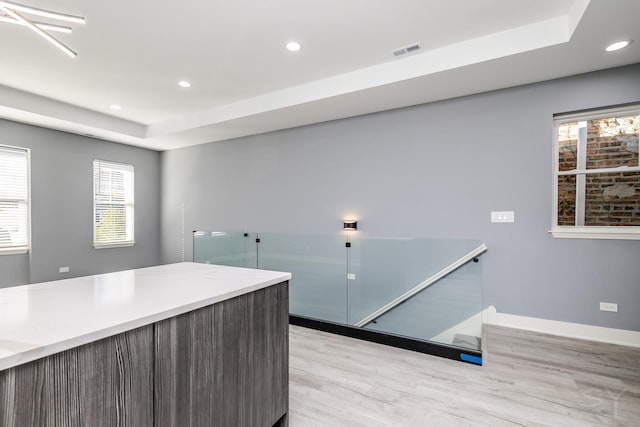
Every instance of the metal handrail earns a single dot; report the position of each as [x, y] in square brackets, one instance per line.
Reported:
[421, 286]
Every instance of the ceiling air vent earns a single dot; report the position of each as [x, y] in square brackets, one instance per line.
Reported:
[407, 49]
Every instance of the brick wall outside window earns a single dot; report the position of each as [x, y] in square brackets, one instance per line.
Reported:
[611, 199]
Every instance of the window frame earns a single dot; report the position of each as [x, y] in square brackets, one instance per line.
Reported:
[113, 243]
[589, 232]
[23, 249]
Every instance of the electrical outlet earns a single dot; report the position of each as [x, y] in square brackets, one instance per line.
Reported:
[502, 216]
[351, 276]
[63, 270]
[609, 306]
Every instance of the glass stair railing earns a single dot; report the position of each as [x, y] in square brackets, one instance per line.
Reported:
[420, 287]
[429, 290]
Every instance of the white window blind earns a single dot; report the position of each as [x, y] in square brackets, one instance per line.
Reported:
[14, 200]
[113, 201]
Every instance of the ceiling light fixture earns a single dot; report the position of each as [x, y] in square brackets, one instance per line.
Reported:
[617, 46]
[42, 12]
[293, 46]
[41, 25]
[10, 12]
[184, 83]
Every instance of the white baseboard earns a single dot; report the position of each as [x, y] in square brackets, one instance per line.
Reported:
[563, 329]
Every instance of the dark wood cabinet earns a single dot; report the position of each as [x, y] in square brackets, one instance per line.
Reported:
[104, 383]
[222, 365]
[235, 376]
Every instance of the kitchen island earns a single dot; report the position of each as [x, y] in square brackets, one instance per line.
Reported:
[174, 345]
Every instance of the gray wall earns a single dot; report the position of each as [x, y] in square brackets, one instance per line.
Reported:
[62, 206]
[435, 170]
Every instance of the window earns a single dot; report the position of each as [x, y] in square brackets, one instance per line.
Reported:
[597, 174]
[113, 206]
[14, 200]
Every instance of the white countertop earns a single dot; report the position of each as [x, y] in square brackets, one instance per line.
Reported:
[45, 318]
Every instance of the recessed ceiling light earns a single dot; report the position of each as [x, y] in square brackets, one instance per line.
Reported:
[184, 83]
[115, 107]
[617, 46]
[293, 46]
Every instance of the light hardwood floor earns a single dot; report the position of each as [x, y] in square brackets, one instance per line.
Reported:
[528, 379]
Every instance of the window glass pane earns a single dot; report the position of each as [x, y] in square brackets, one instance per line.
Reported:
[111, 223]
[13, 174]
[567, 146]
[113, 199]
[567, 200]
[612, 142]
[14, 193]
[612, 199]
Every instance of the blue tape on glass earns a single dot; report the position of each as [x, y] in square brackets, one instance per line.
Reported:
[470, 358]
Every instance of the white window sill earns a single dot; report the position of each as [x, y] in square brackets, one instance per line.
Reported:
[611, 233]
[14, 251]
[113, 245]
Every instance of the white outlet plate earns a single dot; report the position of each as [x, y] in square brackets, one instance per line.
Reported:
[351, 276]
[609, 306]
[63, 270]
[502, 216]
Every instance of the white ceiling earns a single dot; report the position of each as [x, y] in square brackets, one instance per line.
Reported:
[245, 81]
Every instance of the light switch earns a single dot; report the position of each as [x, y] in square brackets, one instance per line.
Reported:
[609, 306]
[502, 216]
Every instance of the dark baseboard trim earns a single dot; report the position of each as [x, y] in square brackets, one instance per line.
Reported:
[427, 347]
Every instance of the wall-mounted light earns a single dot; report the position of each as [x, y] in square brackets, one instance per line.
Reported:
[350, 225]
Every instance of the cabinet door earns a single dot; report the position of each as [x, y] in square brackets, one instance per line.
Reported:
[263, 357]
[185, 373]
[105, 383]
[225, 364]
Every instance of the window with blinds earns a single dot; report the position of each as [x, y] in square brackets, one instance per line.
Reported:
[14, 200]
[113, 204]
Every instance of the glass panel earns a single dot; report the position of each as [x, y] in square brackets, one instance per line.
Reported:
[336, 284]
[318, 264]
[567, 200]
[568, 146]
[447, 312]
[231, 248]
[113, 202]
[386, 268]
[111, 223]
[13, 223]
[613, 199]
[612, 142]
